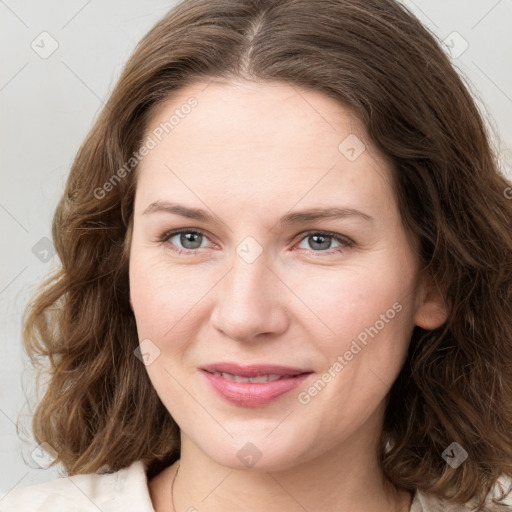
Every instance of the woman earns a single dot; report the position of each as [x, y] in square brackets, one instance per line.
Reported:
[286, 275]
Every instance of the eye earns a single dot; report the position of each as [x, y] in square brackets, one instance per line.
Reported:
[322, 240]
[190, 239]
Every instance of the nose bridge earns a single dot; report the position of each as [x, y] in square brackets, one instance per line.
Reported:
[249, 272]
[247, 303]
[247, 282]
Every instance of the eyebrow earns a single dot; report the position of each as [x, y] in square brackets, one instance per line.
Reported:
[292, 218]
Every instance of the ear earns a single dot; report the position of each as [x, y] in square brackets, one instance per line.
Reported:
[431, 308]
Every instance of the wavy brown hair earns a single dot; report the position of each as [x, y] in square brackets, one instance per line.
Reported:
[374, 57]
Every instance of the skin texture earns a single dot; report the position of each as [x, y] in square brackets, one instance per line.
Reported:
[249, 153]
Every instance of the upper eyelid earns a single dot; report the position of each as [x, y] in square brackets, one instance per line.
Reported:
[169, 234]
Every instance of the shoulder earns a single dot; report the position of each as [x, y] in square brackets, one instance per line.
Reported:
[423, 502]
[125, 490]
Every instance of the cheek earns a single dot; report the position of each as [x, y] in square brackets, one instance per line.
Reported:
[365, 314]
[165, 298]
[164, 303]
[346, 301]
[369, 315]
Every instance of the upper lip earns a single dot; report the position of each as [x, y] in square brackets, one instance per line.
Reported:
[253, 370]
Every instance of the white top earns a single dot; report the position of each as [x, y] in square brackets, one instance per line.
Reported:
[127, 491]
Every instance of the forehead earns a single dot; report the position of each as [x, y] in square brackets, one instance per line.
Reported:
[270, 113]
[271, 140]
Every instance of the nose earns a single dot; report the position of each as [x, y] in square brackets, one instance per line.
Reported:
[250, 300]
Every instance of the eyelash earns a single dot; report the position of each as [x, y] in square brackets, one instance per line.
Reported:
[346, 242]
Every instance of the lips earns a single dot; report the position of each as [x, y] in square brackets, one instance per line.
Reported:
[253, 385]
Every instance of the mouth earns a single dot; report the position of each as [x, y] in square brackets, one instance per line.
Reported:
[252, 386]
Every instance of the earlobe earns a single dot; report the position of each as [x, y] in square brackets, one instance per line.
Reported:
[432, 310]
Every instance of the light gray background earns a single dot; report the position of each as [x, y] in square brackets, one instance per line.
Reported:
[49, 104]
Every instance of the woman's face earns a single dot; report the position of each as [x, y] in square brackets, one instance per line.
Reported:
[264, 284]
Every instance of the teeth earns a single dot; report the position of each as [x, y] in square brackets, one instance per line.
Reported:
[259, 378]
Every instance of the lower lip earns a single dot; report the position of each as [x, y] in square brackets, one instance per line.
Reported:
[252, 394]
